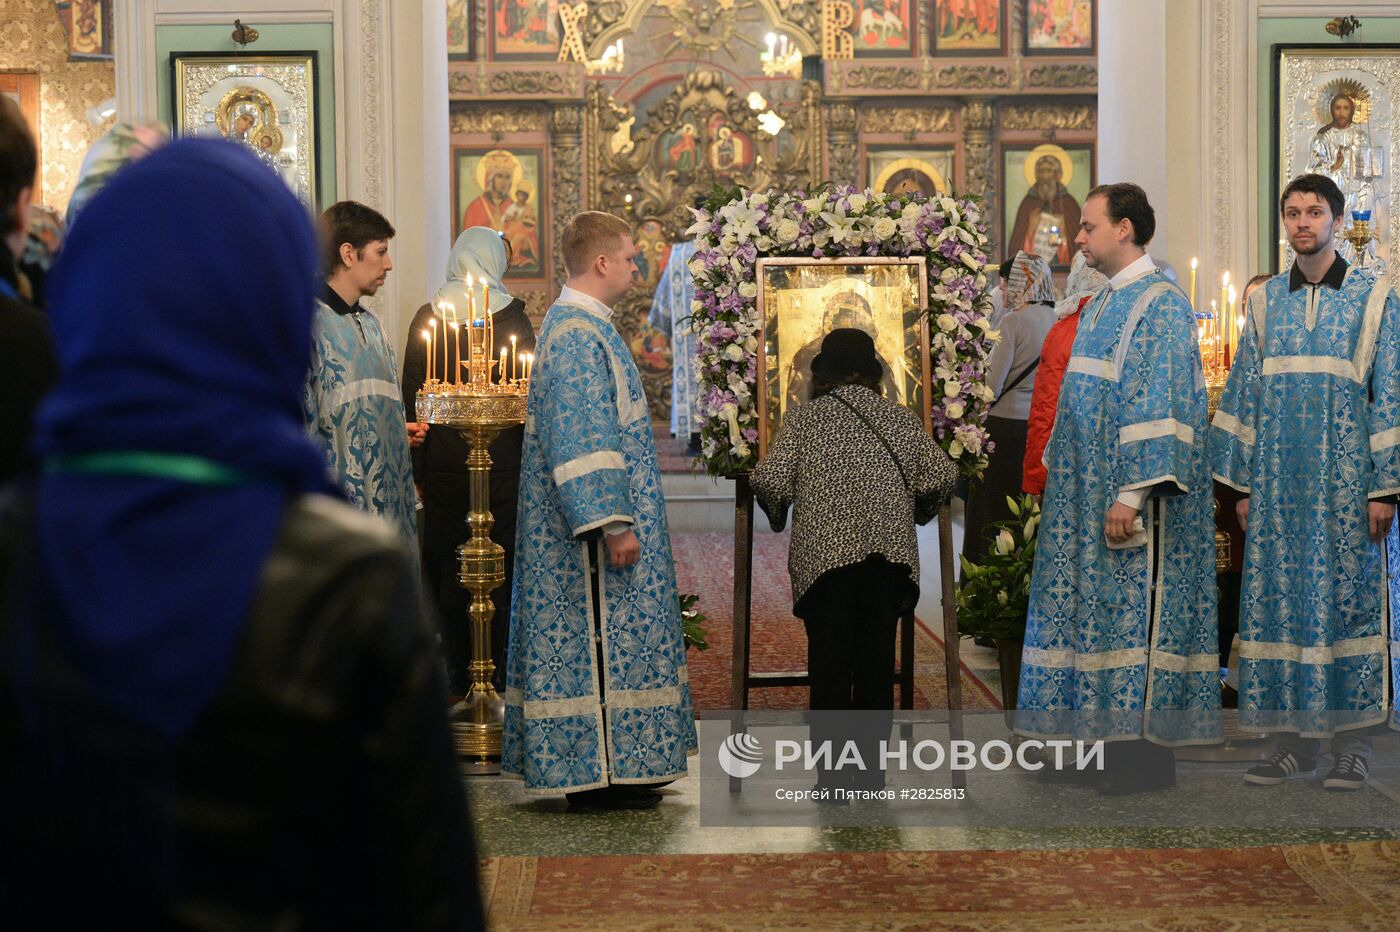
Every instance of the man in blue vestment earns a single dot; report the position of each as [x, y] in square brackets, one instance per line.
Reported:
[353, 405]
[1308, 432]
[1121, 635]
[597, 694]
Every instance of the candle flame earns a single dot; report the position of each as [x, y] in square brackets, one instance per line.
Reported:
[427, 334]
[1224, 279]
[1193, 263]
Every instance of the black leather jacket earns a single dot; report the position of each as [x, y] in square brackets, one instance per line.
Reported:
[319, 790]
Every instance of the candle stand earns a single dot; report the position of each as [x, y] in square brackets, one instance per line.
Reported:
[479, 407]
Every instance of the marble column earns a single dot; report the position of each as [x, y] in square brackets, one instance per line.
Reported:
[1132, 144]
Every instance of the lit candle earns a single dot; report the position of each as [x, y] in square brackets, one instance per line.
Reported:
[504, 351]
[490, 324]
[529, 365]
[1193, 283]
[427, 354]
[514, 359]
[1234, 300]
[1225, 294]
[432, 357]
[1215, 323]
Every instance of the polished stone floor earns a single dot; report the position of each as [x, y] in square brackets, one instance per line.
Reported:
[511, 823]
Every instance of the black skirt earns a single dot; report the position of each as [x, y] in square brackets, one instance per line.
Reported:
[986, 502]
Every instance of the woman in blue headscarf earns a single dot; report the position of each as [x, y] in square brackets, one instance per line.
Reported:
[439, 465]
[216, 694]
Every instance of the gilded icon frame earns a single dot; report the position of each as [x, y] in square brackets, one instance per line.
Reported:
[205, 85]
[888, 295]
[1300, 74]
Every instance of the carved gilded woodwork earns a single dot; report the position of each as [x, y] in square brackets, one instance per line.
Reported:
[497, 79]
[1067, 77]
[650, 166]
[1048, 117]
[909, 121]
[497, 121]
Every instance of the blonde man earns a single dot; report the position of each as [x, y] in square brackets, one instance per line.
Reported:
[597, 696]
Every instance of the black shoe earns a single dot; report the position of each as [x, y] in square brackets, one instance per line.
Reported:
[1283, 766]
[1349, 773]
[1229, 697]
[614, 797]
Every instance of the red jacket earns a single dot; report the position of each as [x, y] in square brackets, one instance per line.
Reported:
[1054, 357]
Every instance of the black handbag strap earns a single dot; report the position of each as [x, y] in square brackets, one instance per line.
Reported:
[880, 437]
[1006, 389]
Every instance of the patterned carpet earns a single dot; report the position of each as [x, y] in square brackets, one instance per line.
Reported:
[1333, 886]
[671, 455]
[705, 565]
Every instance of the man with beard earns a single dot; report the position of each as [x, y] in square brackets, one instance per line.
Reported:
[352, 402]
[1308, 432]
[1048, 207]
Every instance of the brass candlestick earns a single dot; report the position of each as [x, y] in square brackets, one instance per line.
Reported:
[1359, 235]
[1215, 390]
[480, 410]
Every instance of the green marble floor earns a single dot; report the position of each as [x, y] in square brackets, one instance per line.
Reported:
[510, 823]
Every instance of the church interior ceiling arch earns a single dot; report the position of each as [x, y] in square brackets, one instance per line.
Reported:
[676, 97]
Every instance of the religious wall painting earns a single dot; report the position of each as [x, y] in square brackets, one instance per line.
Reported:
[503, 189]
[1336, 115]
[1043, 188]
[88, 24]
[884, 27]
[525, 30]
[1060, 27]
[264, 102]
[801, 300]
[461, 28]
[653, 250]
[969, 27]
[910, 171]
[731, 150]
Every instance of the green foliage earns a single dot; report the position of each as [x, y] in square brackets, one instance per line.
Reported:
[995, 595]
[692, 624]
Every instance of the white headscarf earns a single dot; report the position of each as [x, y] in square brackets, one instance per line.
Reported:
[481, 253]
[1029, 282]
[1082, 282]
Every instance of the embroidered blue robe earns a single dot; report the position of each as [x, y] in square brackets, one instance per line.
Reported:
[670, 313]
[1121, 643]
[1309, 429]
[589, 460]
[355, 412]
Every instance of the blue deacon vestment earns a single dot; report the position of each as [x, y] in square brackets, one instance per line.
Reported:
[354, 411]
[670, 313]
[1121, 643]
[1309, 429]
[589, 460]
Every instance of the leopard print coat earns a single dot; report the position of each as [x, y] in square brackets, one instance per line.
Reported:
[848, 498]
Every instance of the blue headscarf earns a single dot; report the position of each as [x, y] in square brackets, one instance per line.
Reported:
[181, 310]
